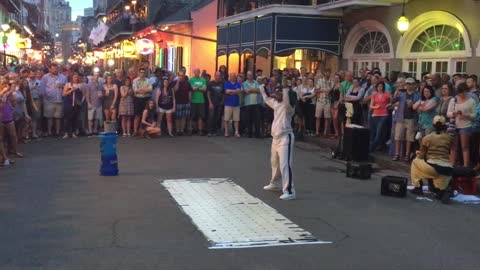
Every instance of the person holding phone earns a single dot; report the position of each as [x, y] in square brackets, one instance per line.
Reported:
[463, 109]
[52, 88]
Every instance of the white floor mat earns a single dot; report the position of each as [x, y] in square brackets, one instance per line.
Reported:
[229, 217]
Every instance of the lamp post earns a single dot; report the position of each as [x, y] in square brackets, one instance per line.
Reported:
[5, 28]
[403, 23]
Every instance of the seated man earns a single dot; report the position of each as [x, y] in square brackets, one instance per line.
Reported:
[433, 161]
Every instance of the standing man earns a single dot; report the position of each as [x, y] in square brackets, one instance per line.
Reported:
[34, 85]
[183, 97]
[282, 143]
[143, 92]
[323, 106]
[216, 96]
[251, 89]
[405, 124]
[199, 87]
[233, 90]
[94, 98]
[51, 86]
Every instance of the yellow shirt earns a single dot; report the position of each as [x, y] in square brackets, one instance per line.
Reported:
[438, 148]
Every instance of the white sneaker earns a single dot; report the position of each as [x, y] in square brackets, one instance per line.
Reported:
[65, 137]
[287, 197]
[74, 136]
[272, 187]
[6, 162]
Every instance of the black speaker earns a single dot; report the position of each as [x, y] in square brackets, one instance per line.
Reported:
[359, 170]
[356, 143]
[394, 186]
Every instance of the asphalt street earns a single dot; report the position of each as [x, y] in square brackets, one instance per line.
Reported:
[56, 212]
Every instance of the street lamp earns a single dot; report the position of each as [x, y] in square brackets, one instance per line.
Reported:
[127, 7]
[403, 23]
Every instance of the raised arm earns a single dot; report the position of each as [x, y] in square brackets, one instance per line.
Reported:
[268, 100]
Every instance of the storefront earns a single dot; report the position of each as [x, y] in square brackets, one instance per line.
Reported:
[274, 41]
[437, 41]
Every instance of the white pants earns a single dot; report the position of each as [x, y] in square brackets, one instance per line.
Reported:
[282, 152]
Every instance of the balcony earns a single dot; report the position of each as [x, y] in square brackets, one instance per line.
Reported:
[124, 28]
[230, 11]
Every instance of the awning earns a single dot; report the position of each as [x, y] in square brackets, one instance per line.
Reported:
[280, 33]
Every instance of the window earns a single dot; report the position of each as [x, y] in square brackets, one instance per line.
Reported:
[387, 69]
[355, 68]
[372, 43]
[375, 65]
[441, 67]
[412, 68]
[439, 38]
[461, 67]
[426, 66]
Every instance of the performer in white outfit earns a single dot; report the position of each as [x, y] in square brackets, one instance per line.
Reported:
[282, 144]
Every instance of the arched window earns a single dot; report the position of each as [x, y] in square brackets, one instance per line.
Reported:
[372, 43]
[439, 38]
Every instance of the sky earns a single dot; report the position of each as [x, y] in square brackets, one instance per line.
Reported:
[78, 6]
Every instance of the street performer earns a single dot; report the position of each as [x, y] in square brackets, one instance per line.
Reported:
[433, 161]
[282, 144]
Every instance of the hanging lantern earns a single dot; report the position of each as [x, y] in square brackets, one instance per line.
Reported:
[145, 46]
[403, 24]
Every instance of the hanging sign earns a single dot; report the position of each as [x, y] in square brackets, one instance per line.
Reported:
[128, 48]
[145, 46]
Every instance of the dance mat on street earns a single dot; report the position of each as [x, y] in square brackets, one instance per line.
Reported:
[229, 217]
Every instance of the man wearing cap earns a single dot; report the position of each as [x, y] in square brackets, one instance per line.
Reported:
[282, 143]
[406, 116]
[433, 161]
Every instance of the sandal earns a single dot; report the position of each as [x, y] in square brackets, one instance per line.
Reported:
[396, 158]
[406, 159]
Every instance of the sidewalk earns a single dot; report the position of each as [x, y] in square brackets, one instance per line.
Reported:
[383, 160]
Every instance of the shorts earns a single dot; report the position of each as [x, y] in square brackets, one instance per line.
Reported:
[95, 113]
[198, 111]
[464, 131]
[139, 105]
[183, 111]
[405, 130]
[231, 113]
[37, 114]
[323, 110]
[53, 110]
[160, 110]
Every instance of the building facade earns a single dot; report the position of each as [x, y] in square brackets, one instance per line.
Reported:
[442, 35]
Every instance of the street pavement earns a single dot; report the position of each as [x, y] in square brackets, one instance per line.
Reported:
[56, 212]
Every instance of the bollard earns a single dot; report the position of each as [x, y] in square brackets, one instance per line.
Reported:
[108, 150]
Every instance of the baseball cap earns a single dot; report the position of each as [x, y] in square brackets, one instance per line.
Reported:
[439, 118]
[410, 81]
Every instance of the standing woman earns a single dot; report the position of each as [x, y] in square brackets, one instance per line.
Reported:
[72, 105]
[7, 105]
[21, 115]
[308, 106]
[444, 101]
[335, 100]
[37, 105]
[110, 93]
[463, 109]
[354, 96]
[126, 106]
[378, 104]
[166, 105]
[224, 71]
[426, 108]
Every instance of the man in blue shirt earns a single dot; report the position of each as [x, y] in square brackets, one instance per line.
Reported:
[51, 86]
[233, 89]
